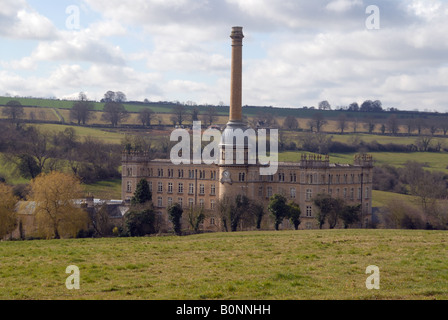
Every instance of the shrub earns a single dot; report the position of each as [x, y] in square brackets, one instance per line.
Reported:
[139, 223]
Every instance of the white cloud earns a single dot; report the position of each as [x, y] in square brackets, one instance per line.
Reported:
[427, 9]
[343, 5]
[18, 20]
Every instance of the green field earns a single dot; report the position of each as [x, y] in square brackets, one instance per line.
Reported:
[106, 189]
[286, 265]
[113, 136]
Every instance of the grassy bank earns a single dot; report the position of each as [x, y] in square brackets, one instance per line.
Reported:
[319, 264]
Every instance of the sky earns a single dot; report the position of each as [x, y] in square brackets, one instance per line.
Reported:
[296, 52]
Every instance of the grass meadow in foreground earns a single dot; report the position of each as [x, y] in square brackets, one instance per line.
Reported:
[287, 265]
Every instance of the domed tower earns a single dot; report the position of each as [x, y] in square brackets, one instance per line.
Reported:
[238, 141]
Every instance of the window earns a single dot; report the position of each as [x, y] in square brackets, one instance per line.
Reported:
[129, 187]
[170, 187]
[359, 193]
[181, 188]
[269, 192]
[170, 202]
[242, 177]
[352, 193]
[191, 188]
[201, 189]
[150, 186]
[293, 177]
[309, 211]
[212, 205]
[367, 193]
[309, 194]
[160, 202]
[180, 173]
[271, 178]
[281, 177]
[260, 191]
[190, 203]
[180, 201]
[345, 193]
[212, 221]
[201, 203]
[293, 193]
[160, 187]
[213, 190]
[191, 174]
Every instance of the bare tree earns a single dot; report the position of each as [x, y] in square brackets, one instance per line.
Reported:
[423, 143]
[210, 116]
[342, 123]
[291, 123]
[145, 116]
[180, 114]
[114, 113]
[369, 124]
[392, 124]
[410, 125]
[317, 121]
[443, 124]
[194, 114]
[82, 109]
[420, 124]
[14, 111]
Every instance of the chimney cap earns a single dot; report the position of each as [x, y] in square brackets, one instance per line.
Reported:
[237, 32]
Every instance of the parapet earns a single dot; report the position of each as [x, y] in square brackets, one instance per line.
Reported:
[363, 160]
[314, 161]
[135, 156]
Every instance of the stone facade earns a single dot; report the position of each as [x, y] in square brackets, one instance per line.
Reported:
[204, 185]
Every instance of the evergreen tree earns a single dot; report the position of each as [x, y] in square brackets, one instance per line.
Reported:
[294, 214]
[142, 193]
[279, 208]
[175, 214]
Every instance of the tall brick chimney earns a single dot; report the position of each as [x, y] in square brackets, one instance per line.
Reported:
[236, 107]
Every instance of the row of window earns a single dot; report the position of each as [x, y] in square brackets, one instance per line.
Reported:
[180, 188]
[312, 178]
[180, 201]
[309, 193]
[170, 173]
